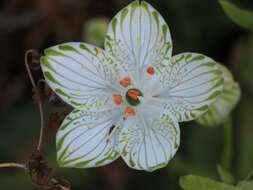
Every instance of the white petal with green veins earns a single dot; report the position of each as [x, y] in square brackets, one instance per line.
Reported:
[137, 37]
[173, 89]
[80, 74]
[82, 140]
[149, 140]
[225, 103]
[192, 83]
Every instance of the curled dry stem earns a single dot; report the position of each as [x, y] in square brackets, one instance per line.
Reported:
[35, 165]
[62, 185]
[39, 99]
[12, 165]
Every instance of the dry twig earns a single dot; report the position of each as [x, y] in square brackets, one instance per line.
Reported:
[36, 166]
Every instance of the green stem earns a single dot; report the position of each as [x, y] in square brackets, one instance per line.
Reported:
[226, 159]
[249, 176]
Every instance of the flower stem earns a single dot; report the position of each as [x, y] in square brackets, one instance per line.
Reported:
[27, 53]
[39, 100]
[227, 144]
[42, 126]
[12, 165]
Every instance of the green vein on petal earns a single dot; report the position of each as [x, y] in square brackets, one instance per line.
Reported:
[83, 164]
[45, 62]
[50, 77]
[68, 48]
[122, 18]
[61, 92]
[84, 47]
[197, 58]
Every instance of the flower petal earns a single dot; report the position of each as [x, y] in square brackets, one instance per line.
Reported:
[192, 83]
[80, 74]
[82, 140]
[149, 140]
[225, 103]
[137, 37]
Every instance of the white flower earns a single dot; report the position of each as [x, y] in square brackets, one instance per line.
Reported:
[128, 98]
[219, 111]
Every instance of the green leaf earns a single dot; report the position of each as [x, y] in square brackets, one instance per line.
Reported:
[192, 182]
[225, 175]
[240, 16]
[245, 185]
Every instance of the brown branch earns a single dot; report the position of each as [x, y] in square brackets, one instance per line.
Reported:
[56, 183]
[36, 166]
[42, 126]
[61, 186]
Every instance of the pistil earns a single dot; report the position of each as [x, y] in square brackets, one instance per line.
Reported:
[133, 96]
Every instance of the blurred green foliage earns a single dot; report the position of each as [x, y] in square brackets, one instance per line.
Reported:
[95, 30]
[225, 175]
[240, 16]
[192, 182]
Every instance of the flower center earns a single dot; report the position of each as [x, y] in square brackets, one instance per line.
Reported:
[133, 96]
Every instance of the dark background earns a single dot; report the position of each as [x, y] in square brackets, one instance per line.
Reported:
[196, 26]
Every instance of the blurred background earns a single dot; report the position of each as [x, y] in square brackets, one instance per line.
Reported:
[196, 26]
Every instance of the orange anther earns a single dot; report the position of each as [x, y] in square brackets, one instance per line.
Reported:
[125, 82]
[133, 94]
[151, 70]
[130, 111]
[117, 99]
